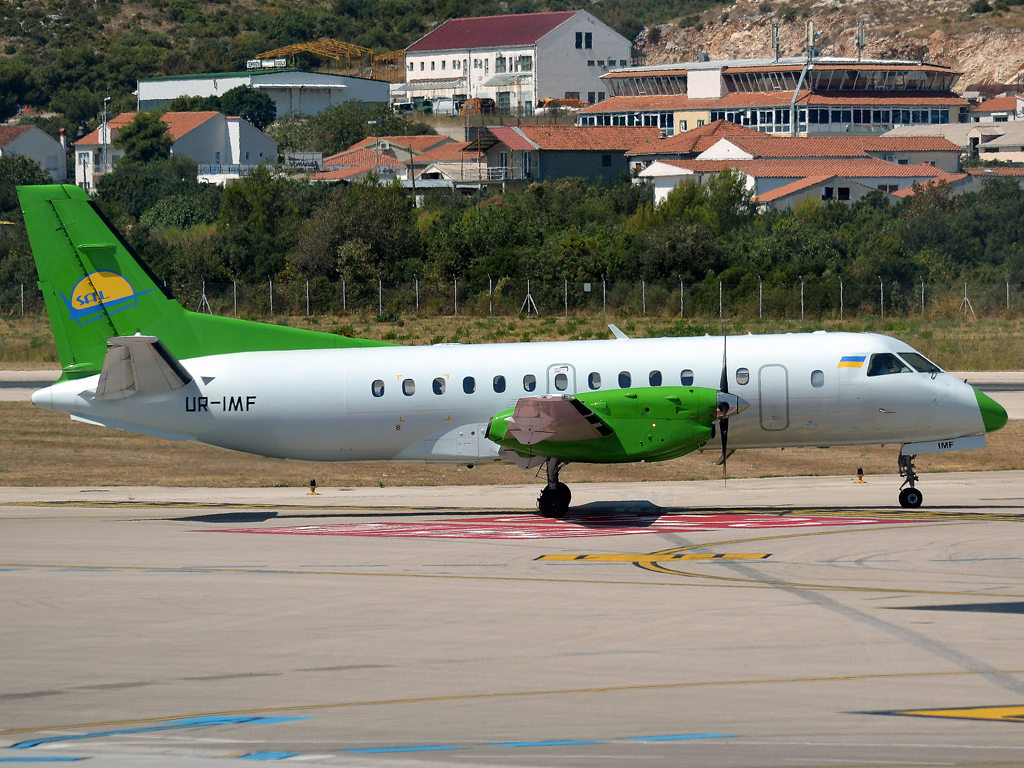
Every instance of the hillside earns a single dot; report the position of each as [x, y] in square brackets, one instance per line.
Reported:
[986, 47]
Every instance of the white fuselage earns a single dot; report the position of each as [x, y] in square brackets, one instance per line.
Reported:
[322, 405]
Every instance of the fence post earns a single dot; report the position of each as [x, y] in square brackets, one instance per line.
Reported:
[881, 296]
[566, 298]
[417, 278]
[760, 298]
[604, 295]
[456, 297]
[680, 299]
[23, 298]
[720, 298]
[1007, 295]
[490, 297]
[344, 300]
[922, 295]
[234, 292]
[801, 297]
[307, 298]
[643, 296]
[840, 298]
[271, 298]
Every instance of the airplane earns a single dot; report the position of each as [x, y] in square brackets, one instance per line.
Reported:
[134, 359]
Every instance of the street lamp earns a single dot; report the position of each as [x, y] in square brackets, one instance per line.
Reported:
[106, 136]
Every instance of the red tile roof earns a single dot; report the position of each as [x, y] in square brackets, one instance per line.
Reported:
[634, 103]
[694, 141]
[491, 31]
[920, 186]
[362, 157]
[451, 151]
[880, 99]
[999, 104]
[1014, 171]
[592, 137]
[418, 143]
[793, 186]
[512, 138]
[178, 124]
[762, 145]
[799, 169]
[9, 133]
[342, 173]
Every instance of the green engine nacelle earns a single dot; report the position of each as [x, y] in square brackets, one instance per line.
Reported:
[649, 424]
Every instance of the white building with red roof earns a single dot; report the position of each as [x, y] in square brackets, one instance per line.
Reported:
[1001, 109]
[223, 147]
[516, 59]
[29, 141]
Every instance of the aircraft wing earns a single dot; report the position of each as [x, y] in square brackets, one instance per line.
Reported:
[558, 419]
[135, 364]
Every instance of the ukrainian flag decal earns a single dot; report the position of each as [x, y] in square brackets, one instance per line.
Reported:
[852, 361]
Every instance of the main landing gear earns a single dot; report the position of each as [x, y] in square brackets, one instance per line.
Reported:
[909, 495]
[554, 499]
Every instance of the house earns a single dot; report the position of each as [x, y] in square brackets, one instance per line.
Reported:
[910, 150]
[29, 141]
[763, 176]
[685, 145]
[517, 60]
[987, 141]
[543, 152]
[822, 187]
[1001, 109]
[305, 93]
[223, 147]
[792, 96]
[978, 176]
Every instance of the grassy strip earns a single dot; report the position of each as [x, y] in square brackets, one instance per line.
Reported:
[955, 344]
[43, 448]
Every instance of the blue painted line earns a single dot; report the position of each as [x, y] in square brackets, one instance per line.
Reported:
[681, 737]
[566, 743]
[41, 759]
[172, 725]
[423, 748]
[268, 755]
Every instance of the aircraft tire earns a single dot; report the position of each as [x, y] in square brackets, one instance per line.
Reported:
[554, 503]
[910, 498]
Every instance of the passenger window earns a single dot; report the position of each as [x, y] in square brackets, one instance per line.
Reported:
[594, 380]
[817, 379]
[561, 382]
[654, 378]
[921, 363]
[529, 382]
[625, 380]
[686, 377]
[408, 387]
[499, 383]
[377, 388]
[742, 376]
[439, 385]
[884, 364]
[469, 385]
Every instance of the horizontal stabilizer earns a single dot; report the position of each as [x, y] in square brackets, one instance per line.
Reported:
[135, 364]
[558, 419]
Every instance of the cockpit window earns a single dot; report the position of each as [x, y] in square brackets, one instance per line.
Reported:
[921, 363]
[886, 363]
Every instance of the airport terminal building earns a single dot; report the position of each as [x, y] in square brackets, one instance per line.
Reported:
[789, 96]
[305, 93]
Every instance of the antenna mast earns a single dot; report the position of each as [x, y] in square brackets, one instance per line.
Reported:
[862, 39]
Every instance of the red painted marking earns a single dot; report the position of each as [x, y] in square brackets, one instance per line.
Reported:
[536, 527]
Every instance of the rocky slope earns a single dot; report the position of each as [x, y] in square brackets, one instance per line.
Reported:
[985, 47]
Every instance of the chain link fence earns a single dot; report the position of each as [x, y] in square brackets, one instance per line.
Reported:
[748, 298]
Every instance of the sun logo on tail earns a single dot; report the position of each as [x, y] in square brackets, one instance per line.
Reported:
[98, 293]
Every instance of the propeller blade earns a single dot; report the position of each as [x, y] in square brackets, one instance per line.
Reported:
[723, 385]
[725, 449]
[723, 412]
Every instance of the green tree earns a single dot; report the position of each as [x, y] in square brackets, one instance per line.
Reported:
[256, 224]
[133, 188]
[250, 104]
[144, 139]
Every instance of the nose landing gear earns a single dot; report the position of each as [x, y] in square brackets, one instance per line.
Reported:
[910, 497]
[554, 499]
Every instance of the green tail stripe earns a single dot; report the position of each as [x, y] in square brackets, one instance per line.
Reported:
[96, 287]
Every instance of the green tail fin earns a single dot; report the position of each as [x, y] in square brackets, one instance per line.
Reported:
[95, 287]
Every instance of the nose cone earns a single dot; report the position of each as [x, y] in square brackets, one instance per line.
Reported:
[730, 405]
[992, 413]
